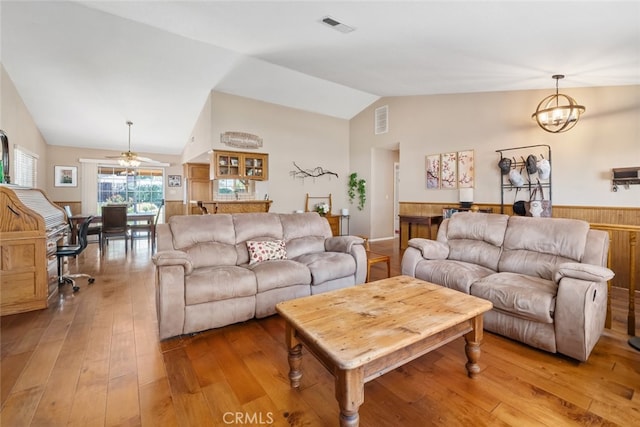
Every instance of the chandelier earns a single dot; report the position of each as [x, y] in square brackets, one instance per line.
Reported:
[129, 158]
[559, 112]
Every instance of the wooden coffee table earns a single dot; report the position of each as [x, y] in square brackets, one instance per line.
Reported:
[364, 331]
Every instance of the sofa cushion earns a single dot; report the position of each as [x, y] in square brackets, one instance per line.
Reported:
[218, 283]
[257, 226]
[211, 254]
[280, 274]
[189, 230]
[535, 246]
[458, 275]
[476, 238]
[266, 250]
[485, 227]
[208, 239]
[325, 266]
[527, 297]
[304, 233]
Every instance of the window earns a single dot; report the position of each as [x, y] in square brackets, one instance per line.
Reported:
[26, 166]
[228, 189]
[140, 188]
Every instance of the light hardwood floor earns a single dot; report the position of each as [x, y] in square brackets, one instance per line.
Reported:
[93, 358]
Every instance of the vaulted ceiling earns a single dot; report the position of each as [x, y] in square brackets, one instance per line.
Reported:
[83, 68]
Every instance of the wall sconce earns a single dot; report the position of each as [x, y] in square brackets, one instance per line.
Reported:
[559, 112]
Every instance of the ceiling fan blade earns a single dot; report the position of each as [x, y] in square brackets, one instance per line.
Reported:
[147, 160]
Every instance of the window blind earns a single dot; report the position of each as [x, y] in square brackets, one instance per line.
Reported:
[25, 167]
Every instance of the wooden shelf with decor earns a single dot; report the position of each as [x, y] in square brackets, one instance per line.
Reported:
[240, 165]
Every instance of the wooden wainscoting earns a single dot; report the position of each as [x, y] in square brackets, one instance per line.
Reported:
[619, 247]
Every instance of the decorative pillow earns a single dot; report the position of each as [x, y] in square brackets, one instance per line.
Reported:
[266, 250]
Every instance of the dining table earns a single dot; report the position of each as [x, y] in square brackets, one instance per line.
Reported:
[132, 217]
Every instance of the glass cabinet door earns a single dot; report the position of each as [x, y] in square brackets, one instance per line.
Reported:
[228, 164]
[255, 166]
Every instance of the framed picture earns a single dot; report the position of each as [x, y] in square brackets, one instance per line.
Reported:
[465, 169]
[433, 171]
[448, 171]
[175, 180]
[65, 176]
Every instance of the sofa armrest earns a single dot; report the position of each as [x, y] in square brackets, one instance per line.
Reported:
[172, 267]
[342, 243]
[174, 258]
[354, 246]
[430, 249]
[588, 272]
[580, 313]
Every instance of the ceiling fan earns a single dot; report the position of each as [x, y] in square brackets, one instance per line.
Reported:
[129, 158]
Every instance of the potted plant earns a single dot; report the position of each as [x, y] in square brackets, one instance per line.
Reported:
[357, 185]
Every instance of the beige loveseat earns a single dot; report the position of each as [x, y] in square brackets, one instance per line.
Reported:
[206, 276]
[546, 277]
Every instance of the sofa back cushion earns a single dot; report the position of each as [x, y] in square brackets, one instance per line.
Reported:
[535, 246]
[208, 239]
[255, 227]
[304, 233]
[476, 237]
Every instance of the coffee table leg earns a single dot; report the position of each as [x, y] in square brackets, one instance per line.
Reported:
[472, 347]
[350, 395]
[295, 357]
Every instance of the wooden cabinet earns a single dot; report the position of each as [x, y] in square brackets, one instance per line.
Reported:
[31, 226]
[334, 223]
[240, 165]
[198, 186]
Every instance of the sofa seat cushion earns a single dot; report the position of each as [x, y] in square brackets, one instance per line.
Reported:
[458, 275]
[527, 297]
[280, 273]
[219, 283]
[325, 266]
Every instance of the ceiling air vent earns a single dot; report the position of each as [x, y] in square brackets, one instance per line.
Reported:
[382, 120]
[336, 25]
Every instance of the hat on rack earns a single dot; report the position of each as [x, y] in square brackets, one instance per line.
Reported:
[544, 169]
[516, 178]
[505, 165]
[532, 164]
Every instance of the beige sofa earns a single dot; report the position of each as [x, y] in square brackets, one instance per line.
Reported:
[206, 277]
[546, 277]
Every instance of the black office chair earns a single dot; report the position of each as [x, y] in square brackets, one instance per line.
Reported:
[74, 250]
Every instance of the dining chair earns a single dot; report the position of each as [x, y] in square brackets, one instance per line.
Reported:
[149, 228]
[114, 224]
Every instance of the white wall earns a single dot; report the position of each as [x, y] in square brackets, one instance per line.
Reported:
[310, 140]
[607, 136]
[20, 128]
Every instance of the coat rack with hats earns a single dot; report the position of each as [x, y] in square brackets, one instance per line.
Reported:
[526, 171]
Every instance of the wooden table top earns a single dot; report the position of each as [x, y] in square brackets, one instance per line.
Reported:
[355, 325]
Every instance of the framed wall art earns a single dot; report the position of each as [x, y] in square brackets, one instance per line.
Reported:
[433, 171]
[465, 169]
[174, 180]
[65, 176]
[448, 171]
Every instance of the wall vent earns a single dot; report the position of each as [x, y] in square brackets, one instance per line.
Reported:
[382, 120]
[336, 25]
